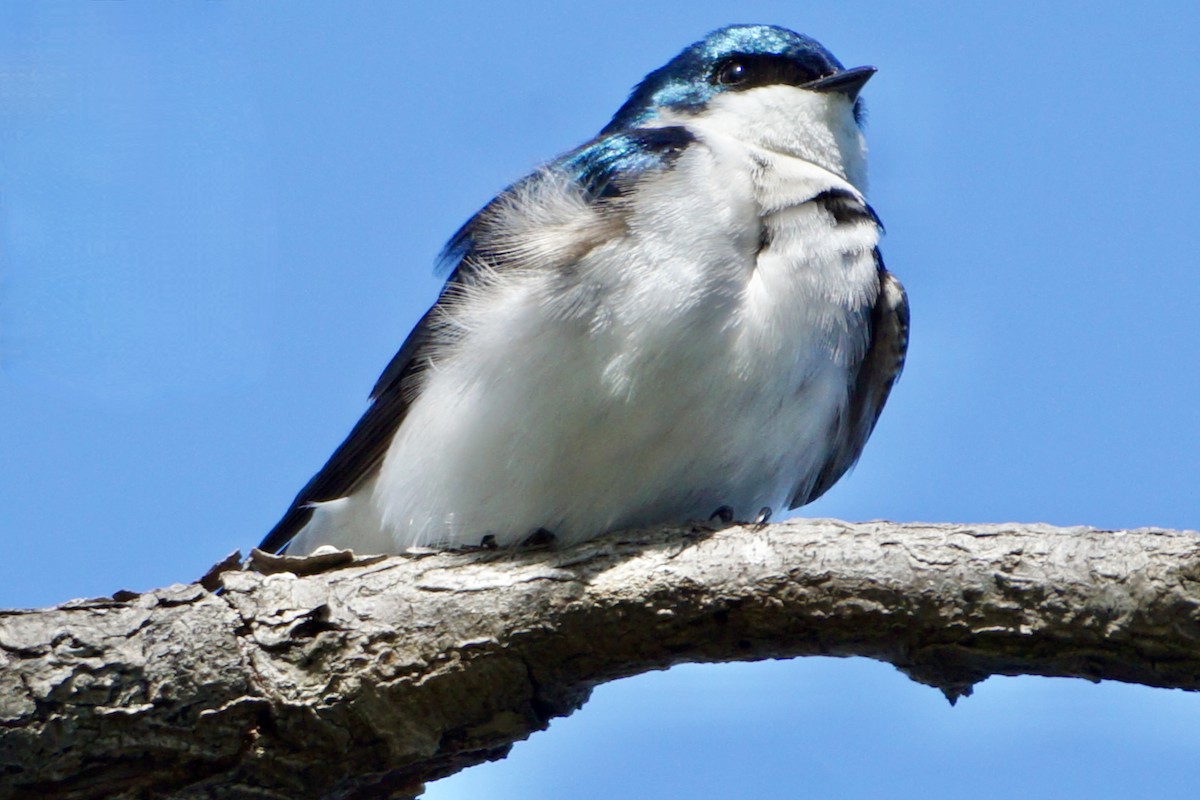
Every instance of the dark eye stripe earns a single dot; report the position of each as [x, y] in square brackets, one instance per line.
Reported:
[748, 71]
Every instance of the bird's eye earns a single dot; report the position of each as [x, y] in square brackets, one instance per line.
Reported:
[732, 73]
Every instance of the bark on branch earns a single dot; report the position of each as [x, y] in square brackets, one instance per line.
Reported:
[370, 677]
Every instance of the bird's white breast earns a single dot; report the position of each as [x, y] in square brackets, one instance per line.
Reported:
[696, 356]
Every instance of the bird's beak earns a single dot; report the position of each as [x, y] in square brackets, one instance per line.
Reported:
[848, 82]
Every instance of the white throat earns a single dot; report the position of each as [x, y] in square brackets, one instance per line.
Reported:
[818, 127]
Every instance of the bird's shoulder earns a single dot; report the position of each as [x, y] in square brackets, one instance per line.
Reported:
[566, 207]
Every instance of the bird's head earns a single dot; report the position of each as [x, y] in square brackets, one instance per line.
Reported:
[765, 85]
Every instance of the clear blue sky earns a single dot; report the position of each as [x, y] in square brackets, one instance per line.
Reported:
[218, 222]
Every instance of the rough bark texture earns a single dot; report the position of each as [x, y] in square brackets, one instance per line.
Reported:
[372, 676]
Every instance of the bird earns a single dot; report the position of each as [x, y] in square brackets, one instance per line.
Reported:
[685, 318]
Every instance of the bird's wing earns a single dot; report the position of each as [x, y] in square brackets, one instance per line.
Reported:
[571, 204]
[358, 458]
[878, 371]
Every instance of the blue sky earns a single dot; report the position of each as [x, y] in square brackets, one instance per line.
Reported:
[218, 221]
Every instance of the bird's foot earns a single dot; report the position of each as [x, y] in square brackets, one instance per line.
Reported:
[488, 542]
[540, 538]
[723, 514]
[762, 518]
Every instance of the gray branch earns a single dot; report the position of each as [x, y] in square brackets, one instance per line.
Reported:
[370, 677]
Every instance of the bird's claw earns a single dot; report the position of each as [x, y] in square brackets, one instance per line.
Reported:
[723, 514]
[540, 538]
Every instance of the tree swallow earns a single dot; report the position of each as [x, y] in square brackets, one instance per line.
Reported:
[685, 317]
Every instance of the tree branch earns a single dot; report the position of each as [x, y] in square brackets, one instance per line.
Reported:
[379, 674]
